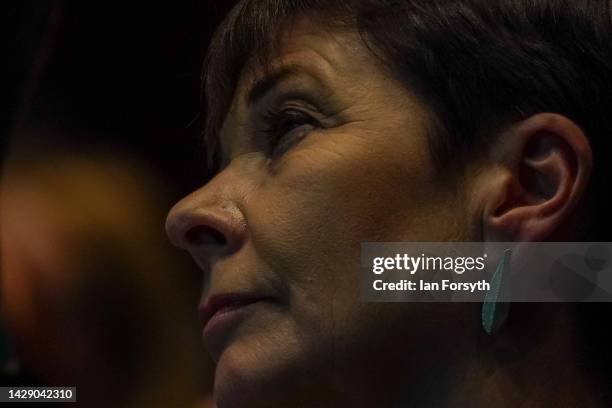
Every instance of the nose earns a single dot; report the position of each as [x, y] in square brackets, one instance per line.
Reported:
[206, 225]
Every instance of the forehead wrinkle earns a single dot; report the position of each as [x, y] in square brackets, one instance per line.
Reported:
[296, 64]
[304, 42]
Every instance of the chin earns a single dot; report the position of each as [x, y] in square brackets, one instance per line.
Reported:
[261, 371]
[252, 375]
[234, 387]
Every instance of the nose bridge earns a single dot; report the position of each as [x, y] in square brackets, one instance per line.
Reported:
[210, 219]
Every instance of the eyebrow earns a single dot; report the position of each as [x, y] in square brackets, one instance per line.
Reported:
[258, 90]
[265, 84]
[262, 86]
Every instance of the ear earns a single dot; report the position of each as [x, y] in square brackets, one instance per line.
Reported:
[536, 176]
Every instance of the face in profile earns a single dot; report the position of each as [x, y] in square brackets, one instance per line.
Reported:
[323, 150]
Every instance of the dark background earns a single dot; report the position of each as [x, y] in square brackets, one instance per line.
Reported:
[120, 74]
[113, 76]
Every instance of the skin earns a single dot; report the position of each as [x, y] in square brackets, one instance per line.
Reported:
[292, 225]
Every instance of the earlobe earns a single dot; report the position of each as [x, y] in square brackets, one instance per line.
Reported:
[541, 169]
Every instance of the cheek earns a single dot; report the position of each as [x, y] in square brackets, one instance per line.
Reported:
[334, 192]
[307, 222]
[331, 194]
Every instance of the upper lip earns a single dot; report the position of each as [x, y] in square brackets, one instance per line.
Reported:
[216, 302]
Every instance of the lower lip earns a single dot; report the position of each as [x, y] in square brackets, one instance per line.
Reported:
[226, 317]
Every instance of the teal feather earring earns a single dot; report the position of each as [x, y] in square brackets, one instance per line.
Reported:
[494, 312]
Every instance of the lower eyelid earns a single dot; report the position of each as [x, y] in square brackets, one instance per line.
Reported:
[289, 142]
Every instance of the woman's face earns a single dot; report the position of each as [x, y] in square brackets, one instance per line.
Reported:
[325, 150]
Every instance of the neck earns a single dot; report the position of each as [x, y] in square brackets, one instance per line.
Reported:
[529, 366]
[525, 365]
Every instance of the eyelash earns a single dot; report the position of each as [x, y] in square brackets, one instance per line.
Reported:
[283, 122]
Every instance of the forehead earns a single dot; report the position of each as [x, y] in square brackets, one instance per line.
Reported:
[306, 48]
[304, 54]
[332, 63]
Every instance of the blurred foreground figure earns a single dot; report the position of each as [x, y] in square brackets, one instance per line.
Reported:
[89, 284]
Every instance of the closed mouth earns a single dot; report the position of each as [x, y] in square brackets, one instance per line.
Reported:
[219, 305]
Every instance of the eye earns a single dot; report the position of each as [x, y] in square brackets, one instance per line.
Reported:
[286, 128]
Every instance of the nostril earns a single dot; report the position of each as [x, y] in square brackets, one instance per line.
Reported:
[205, 235]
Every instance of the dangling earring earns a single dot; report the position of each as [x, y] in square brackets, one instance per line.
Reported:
[494, 312]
